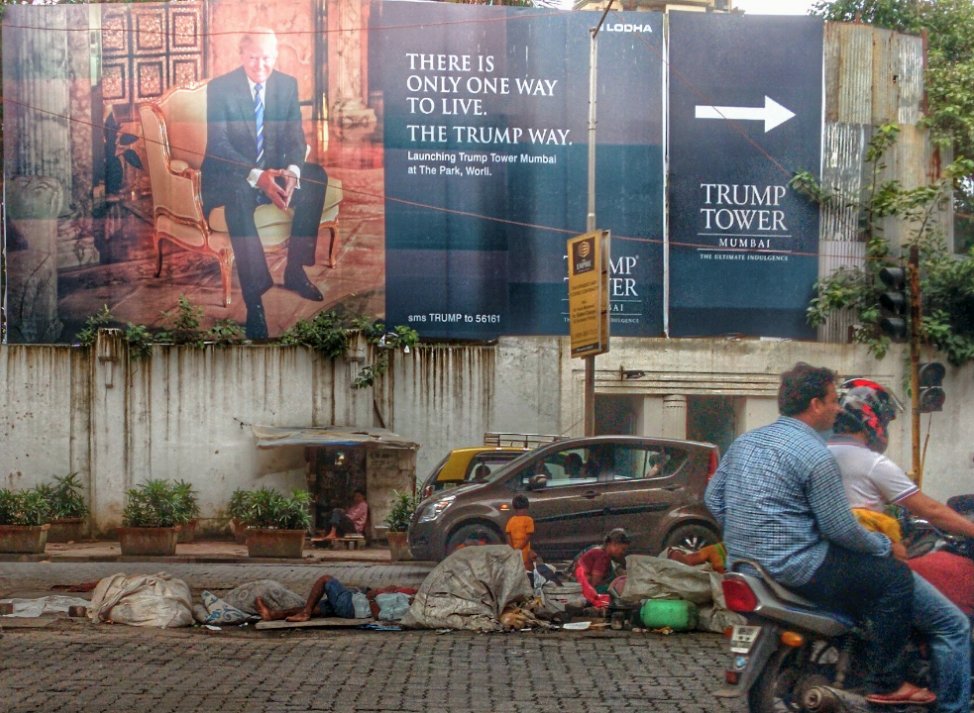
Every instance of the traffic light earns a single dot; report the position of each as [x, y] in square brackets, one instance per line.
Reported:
[894, 304]
[932, 394]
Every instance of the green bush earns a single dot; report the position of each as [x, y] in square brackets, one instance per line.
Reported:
[267, 508]
[154, 503]
[24, 507]
[65, 498]
[401, 514]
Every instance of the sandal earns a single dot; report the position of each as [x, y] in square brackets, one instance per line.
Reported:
[915, 697]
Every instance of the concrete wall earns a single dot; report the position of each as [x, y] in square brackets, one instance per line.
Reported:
[186, 413]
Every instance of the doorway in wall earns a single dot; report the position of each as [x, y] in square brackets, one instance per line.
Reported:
[617, 415]
[711, 418]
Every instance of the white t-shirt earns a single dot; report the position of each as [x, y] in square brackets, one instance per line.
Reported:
[871, 479]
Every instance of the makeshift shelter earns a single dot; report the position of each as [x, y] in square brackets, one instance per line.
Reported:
[342, 459]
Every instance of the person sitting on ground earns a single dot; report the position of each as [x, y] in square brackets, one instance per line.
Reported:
[328, 596]
[519, 530]
[598, 566]
[347, 522]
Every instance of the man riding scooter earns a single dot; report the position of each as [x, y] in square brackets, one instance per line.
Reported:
[871, 481]
[778, 496]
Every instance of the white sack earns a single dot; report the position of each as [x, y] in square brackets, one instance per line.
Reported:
[156, 600]
[657, 578]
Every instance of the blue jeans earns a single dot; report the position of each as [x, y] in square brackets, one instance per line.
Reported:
[337, 601]
[948, 633]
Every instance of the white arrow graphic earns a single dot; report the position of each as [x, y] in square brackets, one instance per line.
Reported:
[772, 113]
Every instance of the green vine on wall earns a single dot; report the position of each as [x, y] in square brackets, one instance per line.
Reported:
[327, 333]
[946, 280]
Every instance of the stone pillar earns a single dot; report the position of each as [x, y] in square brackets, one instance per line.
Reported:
[349, 108]
[651, 418]
[753, 412]
[674, 416]
[37, 102]
[33, 204]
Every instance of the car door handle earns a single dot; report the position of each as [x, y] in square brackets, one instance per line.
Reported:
[672, 488]
[590, 494]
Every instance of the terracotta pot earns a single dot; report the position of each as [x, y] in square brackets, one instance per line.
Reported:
[398, 546]
[239, 531]
[188, 531]
[23, 539]
[68, 529]
[274, 543]
[153, 541]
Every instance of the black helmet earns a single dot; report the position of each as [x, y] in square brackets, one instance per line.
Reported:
[867, 407]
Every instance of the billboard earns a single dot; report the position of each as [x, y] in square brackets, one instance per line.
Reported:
[455, 142]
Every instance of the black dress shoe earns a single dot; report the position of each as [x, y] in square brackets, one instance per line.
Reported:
[256, 323]
[297, 281]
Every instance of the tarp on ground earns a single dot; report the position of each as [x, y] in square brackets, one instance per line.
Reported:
[345, 436]
[469, 590]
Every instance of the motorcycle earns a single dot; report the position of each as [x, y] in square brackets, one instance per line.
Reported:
[792, 655]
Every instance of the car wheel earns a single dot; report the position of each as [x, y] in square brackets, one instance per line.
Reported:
[486, 534]
[690, 537]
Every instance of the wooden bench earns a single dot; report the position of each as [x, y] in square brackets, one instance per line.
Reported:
[350, 542]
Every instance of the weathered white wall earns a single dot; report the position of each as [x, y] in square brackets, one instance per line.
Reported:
[186, 414]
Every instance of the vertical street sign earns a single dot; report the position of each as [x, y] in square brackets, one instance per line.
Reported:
[588, 293]
[745, 114]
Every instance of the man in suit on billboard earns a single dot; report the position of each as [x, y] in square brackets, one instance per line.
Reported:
[255, 153]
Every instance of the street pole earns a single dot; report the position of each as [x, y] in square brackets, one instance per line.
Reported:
[593, 71]
[916, 315]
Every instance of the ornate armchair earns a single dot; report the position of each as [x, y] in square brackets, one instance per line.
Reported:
[174, 132]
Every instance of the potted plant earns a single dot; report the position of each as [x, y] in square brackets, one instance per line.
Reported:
[187, 503]
[69, 511]
[24, 521]
[152, 519]
[276, 523]
[397, 522]
[237, 512]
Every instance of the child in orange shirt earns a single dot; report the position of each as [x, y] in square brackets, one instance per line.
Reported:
[519, 530]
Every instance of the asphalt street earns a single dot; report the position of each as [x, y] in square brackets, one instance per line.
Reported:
[72, 665]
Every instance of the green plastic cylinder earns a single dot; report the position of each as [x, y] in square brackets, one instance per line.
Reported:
[677, 614]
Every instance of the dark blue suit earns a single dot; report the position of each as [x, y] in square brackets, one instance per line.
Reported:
[231, 153]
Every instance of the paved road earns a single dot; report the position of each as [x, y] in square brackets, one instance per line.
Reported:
[73, 666]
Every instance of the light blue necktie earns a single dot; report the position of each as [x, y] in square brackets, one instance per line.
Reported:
[259, 116]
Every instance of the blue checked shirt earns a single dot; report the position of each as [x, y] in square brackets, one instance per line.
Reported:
[778, 495]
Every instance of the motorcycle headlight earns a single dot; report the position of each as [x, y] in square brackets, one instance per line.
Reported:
[436, 508]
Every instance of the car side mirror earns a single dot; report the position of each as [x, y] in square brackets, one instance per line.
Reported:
[537, 482]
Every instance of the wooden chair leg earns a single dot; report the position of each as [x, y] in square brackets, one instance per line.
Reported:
[226, 274]
[331, 246]
[158, 245]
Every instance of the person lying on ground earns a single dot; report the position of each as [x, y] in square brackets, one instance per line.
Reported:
[328, 597]
[347, 522]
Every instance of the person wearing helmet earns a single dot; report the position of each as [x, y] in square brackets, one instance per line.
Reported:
[871, 481]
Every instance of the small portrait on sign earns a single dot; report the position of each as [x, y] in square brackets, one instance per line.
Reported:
[583, 256]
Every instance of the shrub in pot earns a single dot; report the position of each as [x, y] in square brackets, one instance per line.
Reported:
[397, 522]
[276, 523]
[24, 521]
[69, 511]
[237, 512]
[154, 513]
[187, 503]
